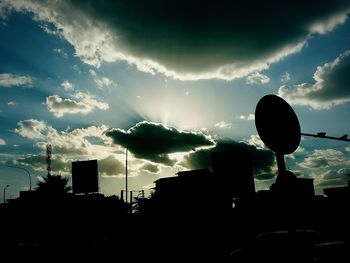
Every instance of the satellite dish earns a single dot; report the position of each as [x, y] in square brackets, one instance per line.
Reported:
[277, 124]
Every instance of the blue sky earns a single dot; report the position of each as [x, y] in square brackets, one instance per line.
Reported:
[72, 71]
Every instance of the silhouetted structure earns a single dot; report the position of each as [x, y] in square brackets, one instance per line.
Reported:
[341, 193]
[290, 186]
[234, 171]
[85, 177]
[196, 191]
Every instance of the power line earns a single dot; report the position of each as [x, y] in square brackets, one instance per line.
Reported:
[323, 135]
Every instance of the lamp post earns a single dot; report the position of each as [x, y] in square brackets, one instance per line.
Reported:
[30, 178]
[5, 193]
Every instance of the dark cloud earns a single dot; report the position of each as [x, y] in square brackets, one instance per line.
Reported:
[154, 141]
[111, 166]
[263, 160]
[189, 39]
[151, 168]
[331, 86]
[38, 162]
[199, 35]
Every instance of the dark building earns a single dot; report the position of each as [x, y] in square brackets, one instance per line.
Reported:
[342, 193]
[192, 191]
[85, 177]
[305, 188]
[234, 170]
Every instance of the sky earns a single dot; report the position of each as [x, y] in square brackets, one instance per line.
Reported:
[172, 81]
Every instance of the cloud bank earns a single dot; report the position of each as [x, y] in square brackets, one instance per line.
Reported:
[263, 160]
[154, 141]
[186, 39]
[331, 87]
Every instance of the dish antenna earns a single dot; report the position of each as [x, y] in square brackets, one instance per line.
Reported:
[278, 127]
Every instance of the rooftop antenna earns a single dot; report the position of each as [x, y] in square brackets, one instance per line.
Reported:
[48, 158]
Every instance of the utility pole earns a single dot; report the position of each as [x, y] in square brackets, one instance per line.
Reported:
[126, 175]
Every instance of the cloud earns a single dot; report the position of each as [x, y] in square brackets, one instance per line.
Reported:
[263, 160]
[8, 80]
[67, 86]
[331, 86]
[74, 143]
[12, 103]
[223, 125]
[2, 142]
[151, 168]
[322, 159]
[59, 164]
[186, 40]
[80, 143]
[257, 78]
[31, 129]
[285, 77]
[102, 81]
[332, 178]
[111, 166]
[328, 167]
[249, 117]
[154, 141]
[86, 104]
[61, 52]
[255, 140]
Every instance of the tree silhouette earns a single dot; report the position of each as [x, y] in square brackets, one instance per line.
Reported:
[53, 185]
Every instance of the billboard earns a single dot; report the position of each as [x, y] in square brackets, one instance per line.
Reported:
[85, 177]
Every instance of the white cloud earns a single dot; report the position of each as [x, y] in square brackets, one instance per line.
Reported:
[285, 77]
[82, 103]
[249, 117]
[12, 103]
[8, 80]
[2, 142]
[331, 86]
[59, 163]
[323, 159]
[257, 78]
[223, 125]
[256, 141]
[67, 86]
[81, 143]
[61, 52]
[32, 129]
[97, 37]
[102, 81]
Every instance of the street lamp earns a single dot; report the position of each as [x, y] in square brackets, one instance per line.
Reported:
[5, 193]
[30, 178]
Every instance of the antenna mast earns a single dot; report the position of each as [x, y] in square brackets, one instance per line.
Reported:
[48, 158]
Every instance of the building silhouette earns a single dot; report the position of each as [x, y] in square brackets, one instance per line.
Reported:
[234, 170]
